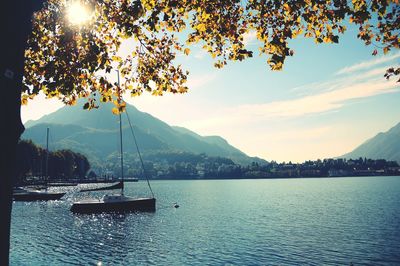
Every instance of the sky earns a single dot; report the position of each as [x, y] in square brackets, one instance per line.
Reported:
[328, 100]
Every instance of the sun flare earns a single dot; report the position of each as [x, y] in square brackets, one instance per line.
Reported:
[77, 13]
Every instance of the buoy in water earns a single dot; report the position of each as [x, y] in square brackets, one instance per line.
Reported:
[176, 205]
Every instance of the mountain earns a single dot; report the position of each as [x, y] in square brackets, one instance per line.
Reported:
[95, 133]
[383, 146]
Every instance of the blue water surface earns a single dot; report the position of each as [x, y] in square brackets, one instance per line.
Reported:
[327, 221]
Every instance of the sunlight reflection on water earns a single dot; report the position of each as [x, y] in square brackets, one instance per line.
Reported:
[243, 222]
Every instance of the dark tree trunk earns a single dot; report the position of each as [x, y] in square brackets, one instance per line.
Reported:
[15, 24]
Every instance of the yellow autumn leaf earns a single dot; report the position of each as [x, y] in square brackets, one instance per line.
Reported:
[116, 58]
[286, 7]
[327, 39]
[386, 50]
[186, 51]
[157, 93]
[205, 16]
[136, 93]
[115, 111]
[182, 89]
[24, 100]
[201, 27]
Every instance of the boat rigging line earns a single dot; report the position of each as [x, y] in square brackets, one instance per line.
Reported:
[138, 151]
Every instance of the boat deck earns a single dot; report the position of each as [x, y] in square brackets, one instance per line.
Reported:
[125, 204]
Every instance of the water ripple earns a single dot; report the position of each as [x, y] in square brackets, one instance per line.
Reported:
[334, 221]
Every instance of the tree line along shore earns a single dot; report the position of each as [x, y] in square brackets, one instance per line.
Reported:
[68, 166]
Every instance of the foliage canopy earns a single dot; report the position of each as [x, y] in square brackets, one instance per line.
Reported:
[70, 61]
[31, 160]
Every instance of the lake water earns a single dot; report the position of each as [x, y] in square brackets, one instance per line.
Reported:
[329, 221]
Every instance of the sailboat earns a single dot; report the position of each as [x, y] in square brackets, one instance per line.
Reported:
[118, 202]
[22, 194]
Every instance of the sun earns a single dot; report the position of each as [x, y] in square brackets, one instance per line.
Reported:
[77, 13]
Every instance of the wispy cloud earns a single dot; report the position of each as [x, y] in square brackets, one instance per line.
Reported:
[319, 103]
[328, 96]
[199, 81]
[338, 82]
[367, 64]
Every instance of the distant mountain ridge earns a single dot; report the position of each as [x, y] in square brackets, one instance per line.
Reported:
[385, 145]
[95, 134]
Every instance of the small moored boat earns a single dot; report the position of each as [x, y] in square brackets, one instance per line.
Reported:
[114, 203]
[21, 194]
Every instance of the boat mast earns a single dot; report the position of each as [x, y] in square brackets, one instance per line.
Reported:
[47, 157]
[120, 138]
